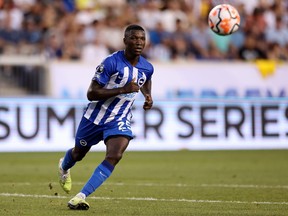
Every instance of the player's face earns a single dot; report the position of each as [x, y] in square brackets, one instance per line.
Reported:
[135, 42]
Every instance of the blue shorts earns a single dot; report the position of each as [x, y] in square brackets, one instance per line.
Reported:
[89, 134]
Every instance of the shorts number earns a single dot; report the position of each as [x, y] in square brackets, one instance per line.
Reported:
[124, 126]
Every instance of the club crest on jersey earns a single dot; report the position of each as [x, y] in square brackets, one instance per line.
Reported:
[141, 81]
[99, 69]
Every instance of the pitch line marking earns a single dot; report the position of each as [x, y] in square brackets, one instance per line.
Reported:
[246, 186]
[146, 199]
[160, 185]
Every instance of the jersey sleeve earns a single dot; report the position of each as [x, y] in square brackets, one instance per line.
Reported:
[104, 71]
[149, 71]
[147, 67]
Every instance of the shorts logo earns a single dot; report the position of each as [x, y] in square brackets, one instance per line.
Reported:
[83, 142]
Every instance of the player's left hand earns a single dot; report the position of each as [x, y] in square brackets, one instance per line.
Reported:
[148, 102]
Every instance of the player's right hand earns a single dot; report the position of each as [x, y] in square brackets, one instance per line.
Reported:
[131, 87]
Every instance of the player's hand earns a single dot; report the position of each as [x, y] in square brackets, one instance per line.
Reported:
[131, 87]
[148, 102]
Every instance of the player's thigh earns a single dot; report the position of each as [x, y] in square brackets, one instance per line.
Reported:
[117, 129]
[117, 137]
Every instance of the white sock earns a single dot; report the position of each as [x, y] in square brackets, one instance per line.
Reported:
[81, 195]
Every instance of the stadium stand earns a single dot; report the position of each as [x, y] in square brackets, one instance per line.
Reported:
[75, 30]
[178, 28]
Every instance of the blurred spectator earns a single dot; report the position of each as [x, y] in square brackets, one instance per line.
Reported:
[34, 13]
[94, 52]
[110, 33]
[159, 47]
[87, 15]
[149, 14]
[222, 43]
[2, 44]
[11, 15]
[180, 38]
[255, 24]
[237, 39]
[91, 31]
[69, 5]
[201, 39]
[276, 52]
[171, 13]
[277, 34]
[31, 33]
[250, 5]
[249, 51]
[53, 47]
[160, 52]
[158, 34]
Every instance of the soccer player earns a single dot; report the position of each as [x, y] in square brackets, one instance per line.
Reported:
[112, 91]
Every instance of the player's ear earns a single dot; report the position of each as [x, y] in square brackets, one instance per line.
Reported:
[124, 40]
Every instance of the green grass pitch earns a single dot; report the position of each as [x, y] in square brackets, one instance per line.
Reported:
[151, 183]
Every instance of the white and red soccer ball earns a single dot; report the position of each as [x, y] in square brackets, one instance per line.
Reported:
[224, 19]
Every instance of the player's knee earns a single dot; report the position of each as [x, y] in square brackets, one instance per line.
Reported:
[114, 158]
[78, 156]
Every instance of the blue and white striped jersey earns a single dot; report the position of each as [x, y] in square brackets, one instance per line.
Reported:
[114, 72]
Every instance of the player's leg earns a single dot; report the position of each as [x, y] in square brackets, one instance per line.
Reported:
[115, 148]
[116, 140]
[84, 135]
[71, 157]
[74, 155]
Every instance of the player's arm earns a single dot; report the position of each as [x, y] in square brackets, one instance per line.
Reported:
[146, 91]
[98, 92]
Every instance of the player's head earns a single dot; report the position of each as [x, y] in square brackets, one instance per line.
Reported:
[134, 39]
[133, 27]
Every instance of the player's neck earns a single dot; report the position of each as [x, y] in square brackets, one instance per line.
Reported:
[132, 59]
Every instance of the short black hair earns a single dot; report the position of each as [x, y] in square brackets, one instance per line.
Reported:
[133, 27]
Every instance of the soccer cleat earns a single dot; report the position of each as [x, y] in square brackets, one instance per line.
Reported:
[64, 178]
[77, 203]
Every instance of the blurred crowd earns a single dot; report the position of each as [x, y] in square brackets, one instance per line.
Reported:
[89, 30]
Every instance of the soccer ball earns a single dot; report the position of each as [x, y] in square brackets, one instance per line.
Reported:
[224, 19]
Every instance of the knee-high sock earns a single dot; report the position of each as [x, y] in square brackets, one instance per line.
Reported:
[101, 173]
[68, 161]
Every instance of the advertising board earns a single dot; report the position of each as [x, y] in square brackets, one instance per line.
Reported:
[206, 124]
